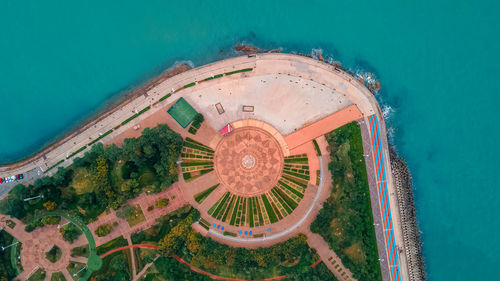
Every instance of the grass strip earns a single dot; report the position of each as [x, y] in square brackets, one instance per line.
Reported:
[288, 209]
[250, 212]
[275, 208]
[289, 201]
[294, 191]
[269, 209]
[100, 137]
[231, 204]
[200, 197]
[239, 71]
[306, 177]
[199, 147]
[76, 152]
[189, 85]
[165, 97]
[221, 205]
[194, 164]
[243, 212]
[213, 77]
[188, 139]
[212, 209]
[259, 211]
[317, 147]
[137, 114]
[295, 181]
[53, 166]
[296, 160]
[233, 217]
[228, 233]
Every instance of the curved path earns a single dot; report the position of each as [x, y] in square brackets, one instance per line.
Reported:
[215, 277]
[94, 262]
[144, 246]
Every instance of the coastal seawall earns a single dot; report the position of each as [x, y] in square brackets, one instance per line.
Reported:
[408, 214]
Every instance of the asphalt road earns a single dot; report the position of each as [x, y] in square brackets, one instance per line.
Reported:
[29, 177]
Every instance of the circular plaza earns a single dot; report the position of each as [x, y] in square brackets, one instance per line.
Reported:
[249, 161]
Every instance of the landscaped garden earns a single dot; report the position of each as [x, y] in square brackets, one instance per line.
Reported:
[57, 276]
[54, 254]
[271, 206]
[346, 221]
[39, 275]
[133, 215]
[197, 159]
[112, 244]
[115, 267]
[7, 268]
[174, 236]
[104, 178]
[200, 197]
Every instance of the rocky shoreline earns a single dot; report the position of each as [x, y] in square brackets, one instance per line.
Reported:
[408, 214]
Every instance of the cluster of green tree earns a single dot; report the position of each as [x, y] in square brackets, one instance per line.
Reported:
[169, 269]
[292, 257]
[70, 232]
[49, 220]
[164, 225]
[112, 176]
[346, 221]
[115, 267]
[103, 230]
[7, 272]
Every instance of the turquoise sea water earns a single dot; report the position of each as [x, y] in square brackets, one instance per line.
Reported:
[438, 62]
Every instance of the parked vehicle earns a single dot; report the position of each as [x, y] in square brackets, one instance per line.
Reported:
[1, 180]
[19, 177]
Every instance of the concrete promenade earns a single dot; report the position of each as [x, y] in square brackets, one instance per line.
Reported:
[315, 90]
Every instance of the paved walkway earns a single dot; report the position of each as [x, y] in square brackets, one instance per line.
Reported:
[37, 243]
[323, 126]
[176, 200]
[331, 260]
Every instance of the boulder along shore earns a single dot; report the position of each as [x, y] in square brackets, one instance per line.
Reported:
[408, 213]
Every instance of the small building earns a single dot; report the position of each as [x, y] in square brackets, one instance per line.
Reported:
[226, 130]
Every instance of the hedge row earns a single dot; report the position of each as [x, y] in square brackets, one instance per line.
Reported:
[135, 115]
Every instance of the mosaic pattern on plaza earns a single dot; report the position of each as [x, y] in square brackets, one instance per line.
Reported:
[249, 161]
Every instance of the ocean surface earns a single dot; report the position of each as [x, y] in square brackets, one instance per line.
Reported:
[438, 62]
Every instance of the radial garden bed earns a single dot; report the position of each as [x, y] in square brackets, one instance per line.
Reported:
[271, 206]
[197, 159]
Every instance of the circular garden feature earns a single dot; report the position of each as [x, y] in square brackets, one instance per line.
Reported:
[249, 161]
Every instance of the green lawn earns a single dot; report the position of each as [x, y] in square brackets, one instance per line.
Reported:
[82, 251]
[112, 244]
[346, 220]
[200, 197]
[82, 181]
[7, 270]
[58, 276]
[75, 267]
[137, 218]
[39, 275]
[115, 267]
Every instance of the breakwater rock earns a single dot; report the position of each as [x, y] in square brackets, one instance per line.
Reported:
[408, 214]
